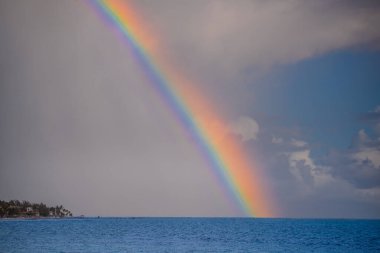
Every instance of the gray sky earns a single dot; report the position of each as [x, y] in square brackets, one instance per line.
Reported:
[81, 126]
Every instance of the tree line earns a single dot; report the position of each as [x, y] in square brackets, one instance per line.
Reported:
[16, 208]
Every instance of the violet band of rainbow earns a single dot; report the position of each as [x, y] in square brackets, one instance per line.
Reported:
[238, 178]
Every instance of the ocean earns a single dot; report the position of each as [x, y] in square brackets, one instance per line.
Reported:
[189, 235]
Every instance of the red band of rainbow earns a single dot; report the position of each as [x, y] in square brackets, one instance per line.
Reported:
[223, 153]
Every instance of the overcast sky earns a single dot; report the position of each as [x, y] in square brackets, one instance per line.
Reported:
[298, 81]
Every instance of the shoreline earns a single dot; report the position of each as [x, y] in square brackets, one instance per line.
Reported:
[39, 218]
[174, 217]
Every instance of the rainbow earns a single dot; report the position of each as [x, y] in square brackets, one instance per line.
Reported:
[224, 155]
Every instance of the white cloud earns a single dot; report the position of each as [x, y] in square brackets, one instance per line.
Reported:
[362, 136]
[246, 127]
[298, 143]
[302, 164]
[301, 156]
[277, 140]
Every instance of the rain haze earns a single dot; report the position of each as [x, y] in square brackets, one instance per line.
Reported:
[297, 82]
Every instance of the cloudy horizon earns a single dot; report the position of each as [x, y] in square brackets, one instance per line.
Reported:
[297, 81]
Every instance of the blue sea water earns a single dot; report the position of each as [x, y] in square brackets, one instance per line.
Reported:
[189, 235]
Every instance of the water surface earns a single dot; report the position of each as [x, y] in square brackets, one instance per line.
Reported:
[189, 235]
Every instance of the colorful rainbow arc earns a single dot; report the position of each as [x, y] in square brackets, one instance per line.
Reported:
[223, 153]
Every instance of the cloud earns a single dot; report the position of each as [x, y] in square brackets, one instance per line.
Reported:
[372, 118]
[371, 155]
[246, 127]
[367, 149]
[81, 126]
[305, 170]
[301, 156]
[331, 185]
[360, 173]
[257, 34]
[300, 165]
[277, 140]
[305, 187]
[298, 143]
[359, 164]
[229, 45]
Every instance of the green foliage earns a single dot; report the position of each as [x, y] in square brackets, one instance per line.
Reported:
[15, 208]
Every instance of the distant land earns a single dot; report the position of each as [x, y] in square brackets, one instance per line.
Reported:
[26, 209]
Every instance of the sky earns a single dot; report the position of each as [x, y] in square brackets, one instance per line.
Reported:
[298, 83]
